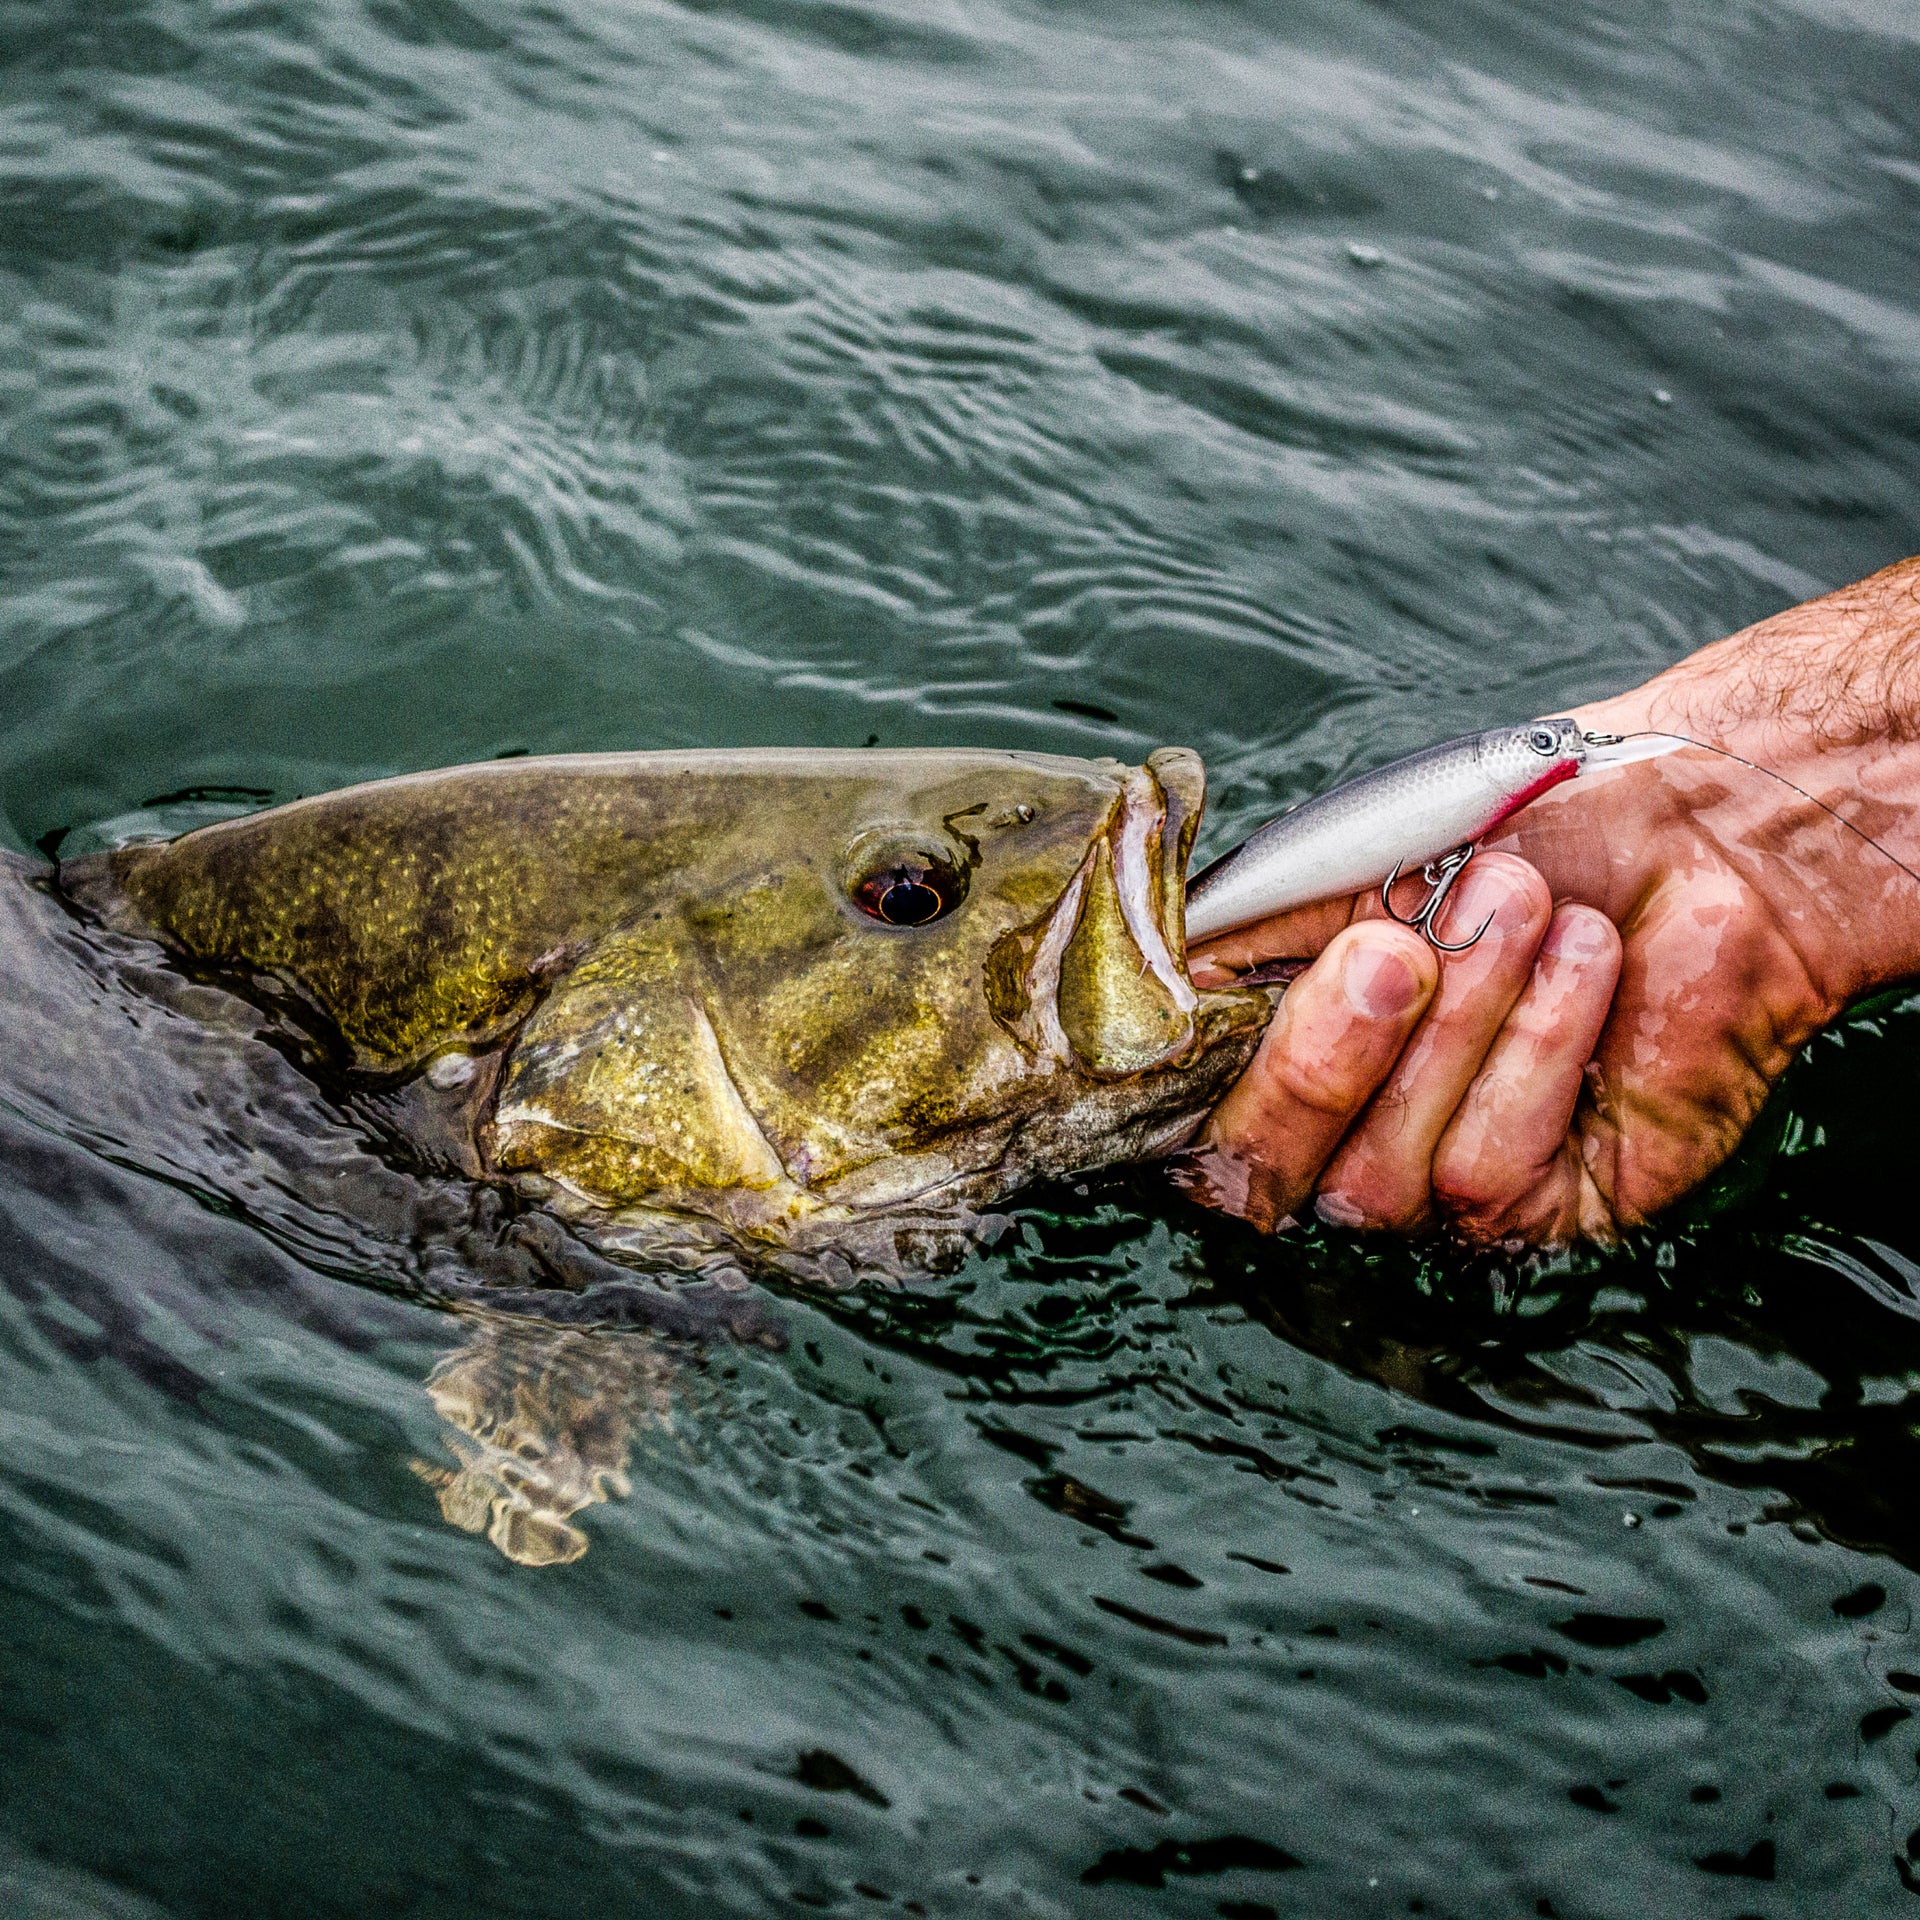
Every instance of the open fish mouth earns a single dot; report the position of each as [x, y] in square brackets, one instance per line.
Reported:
[1099, 981]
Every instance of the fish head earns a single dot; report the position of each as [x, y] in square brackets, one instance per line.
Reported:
[880, 1007]
[811, 1008]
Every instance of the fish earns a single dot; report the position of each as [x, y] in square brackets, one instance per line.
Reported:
[812, 1013]
[1427, 809]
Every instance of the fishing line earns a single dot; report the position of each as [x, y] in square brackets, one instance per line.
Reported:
[1740, 759]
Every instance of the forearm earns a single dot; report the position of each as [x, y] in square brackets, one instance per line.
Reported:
[1830, 675]
[1826, 695]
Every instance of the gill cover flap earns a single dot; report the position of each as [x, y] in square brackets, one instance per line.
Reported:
[617, 1086]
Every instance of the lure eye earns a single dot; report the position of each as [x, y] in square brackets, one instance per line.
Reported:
[1542, 739]
[905, 880]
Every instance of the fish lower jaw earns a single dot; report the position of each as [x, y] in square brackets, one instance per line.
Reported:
[1101, 984]
[913, 1213]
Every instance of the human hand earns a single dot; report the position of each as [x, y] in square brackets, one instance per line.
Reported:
[1664, 938]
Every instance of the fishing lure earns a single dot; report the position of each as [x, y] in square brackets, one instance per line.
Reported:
[1432, 808]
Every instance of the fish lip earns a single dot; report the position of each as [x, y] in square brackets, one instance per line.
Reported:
[1133, 835]
[1144, 836]
[1152, 910]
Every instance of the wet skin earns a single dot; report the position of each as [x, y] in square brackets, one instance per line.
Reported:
[1664, 939]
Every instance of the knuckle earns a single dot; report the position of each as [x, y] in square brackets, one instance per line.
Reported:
[1537, 1207]
[1475, 1227]
[1318, 1084]
[1363, 1201]
[1466, 1184]
[1341, 1210]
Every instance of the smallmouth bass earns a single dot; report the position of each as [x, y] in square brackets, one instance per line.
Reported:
[814, 1012]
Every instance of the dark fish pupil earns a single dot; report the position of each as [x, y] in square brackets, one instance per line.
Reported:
[909, 903]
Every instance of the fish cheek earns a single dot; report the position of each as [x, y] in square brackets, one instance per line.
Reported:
[870, 1047]
[847, 1037]
[618, 1088]
[792, 981]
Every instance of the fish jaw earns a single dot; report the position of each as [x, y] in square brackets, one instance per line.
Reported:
[1099, 983]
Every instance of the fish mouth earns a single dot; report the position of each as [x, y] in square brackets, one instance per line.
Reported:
[1100, 980]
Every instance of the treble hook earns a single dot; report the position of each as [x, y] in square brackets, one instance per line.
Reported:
[1439, 875]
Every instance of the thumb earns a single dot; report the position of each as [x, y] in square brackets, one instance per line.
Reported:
[1301, 933]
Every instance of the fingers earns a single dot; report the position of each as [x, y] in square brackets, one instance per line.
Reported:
[1505, 1167]
[1714, 1001]
[1382, 1175]
[1422, 1088]
[1334, 1039]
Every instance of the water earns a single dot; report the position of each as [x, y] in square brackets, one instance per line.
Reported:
[393, 384]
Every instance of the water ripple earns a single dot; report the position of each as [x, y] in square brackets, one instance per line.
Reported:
[387, 385]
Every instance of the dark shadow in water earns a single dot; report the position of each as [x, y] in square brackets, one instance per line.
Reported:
[1512, 1345]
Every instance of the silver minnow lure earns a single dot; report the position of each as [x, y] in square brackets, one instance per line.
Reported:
[1429, 809]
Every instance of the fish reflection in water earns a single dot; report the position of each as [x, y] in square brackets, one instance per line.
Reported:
[542, 1417]
[542, 1420]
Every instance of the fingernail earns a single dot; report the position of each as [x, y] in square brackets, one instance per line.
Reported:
[1487, 892]
[1576, 936]
[1378, 981]
[1338, 1211]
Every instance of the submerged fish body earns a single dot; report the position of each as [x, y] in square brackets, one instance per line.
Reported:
[814, 1010]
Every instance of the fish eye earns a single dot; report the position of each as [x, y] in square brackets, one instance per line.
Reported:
[1543, 739]
[905, 881]
[906, 897]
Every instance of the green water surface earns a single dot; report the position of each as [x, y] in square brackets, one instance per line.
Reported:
[390, 383]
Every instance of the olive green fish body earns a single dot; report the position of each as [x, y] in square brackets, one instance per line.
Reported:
[813, 1007]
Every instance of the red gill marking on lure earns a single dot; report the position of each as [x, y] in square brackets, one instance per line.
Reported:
[1565, 770]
